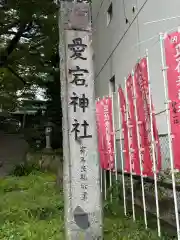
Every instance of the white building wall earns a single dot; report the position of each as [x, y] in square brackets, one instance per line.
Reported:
[116, 46]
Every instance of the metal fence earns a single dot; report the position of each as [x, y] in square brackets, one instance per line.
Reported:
[164, 151]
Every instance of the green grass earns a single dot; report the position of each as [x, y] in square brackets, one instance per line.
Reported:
[31, 208]
[117, 226]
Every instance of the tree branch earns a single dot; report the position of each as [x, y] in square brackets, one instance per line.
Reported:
[5, 30]
[13, 43]
[16, 74]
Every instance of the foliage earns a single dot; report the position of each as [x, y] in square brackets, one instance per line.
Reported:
[35, 133]
[28, 50]
[118, 226]
[32, 208]
[29, 59]
[25, 169]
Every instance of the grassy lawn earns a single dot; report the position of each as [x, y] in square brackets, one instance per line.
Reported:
[31, 208]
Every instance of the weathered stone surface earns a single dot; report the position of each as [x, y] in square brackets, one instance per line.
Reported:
[77, 16]
[13, 150]
[166, 202]
[46, 160]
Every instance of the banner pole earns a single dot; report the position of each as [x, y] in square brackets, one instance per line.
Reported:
[110, 184]
[153, 148]
[122, 156]
[139, 149]
[105, 185]
[130, 155]
[114, 136]
[101, 180]
[167, 101]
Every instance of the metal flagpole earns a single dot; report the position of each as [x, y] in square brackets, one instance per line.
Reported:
[139, 148]
[114, 135]
[101, 172]
[110, 183]
[153, 149]
[101, 179]
[167, 101]
[130, 151]
[122, 157]
[105, 186]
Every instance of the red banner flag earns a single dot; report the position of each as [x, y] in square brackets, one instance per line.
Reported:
[143, 115]
[172, 53]
[132, 129]
[100, 133]
[109, 133]
[124, 129]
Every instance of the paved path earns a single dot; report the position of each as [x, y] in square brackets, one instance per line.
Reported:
[13, 149]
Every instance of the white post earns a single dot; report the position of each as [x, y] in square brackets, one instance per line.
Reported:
[167, 101]
[101, 179]
[114, 135]
[130, 153]
[153, 143]
[83, 207]
[139, 148]
[122, 155]
[110, 183]
[105, 185]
